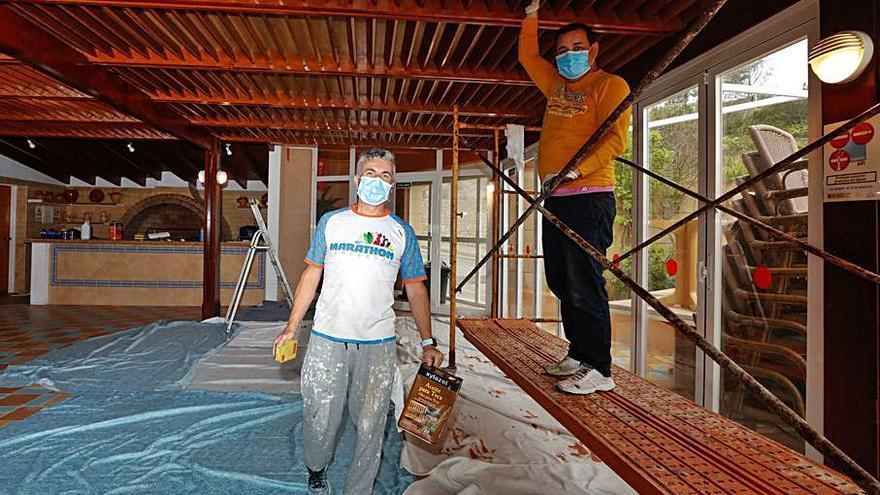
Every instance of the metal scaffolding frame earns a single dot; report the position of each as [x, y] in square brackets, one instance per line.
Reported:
[779, 408]
[800, 425]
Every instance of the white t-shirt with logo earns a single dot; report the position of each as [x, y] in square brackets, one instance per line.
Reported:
[361, 256]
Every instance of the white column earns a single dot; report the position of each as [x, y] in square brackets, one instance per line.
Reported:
[273, 212]
[40, 268]
[436, 231]
[815, 265]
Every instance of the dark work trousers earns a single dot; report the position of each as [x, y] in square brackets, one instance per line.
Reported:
[576, 278]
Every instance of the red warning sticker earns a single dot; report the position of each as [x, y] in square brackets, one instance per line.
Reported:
[671, 267]
[840, 140]
[862, 133]
[839, 160]
[761, 277]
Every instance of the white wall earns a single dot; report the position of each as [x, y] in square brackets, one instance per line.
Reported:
[12, 169]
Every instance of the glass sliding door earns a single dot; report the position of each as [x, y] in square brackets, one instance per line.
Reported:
[472, 239]
[619, 295]
[672, 149]
[764, 281]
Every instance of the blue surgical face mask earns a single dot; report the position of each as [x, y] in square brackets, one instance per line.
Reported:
[573, 64]
[373, 191]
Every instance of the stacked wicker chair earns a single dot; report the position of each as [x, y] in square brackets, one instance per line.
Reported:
[765, 327]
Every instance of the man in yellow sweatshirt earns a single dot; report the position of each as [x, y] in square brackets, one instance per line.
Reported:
[579, 98]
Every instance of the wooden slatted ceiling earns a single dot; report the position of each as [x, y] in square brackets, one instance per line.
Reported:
[337, 72]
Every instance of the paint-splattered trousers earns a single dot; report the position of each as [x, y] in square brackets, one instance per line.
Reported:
[336, 373]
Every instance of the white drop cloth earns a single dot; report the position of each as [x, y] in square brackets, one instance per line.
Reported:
[500, 440]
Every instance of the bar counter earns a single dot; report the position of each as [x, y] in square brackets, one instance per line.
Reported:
[135, 273]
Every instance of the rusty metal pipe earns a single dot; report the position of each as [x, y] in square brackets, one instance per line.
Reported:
[777, 167]
[849, 266]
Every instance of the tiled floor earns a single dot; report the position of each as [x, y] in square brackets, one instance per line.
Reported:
[17, 404]
[27, 332]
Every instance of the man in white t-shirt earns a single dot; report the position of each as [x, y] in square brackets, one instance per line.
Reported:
[351, 357]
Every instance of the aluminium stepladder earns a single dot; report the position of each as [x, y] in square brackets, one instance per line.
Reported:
[259, 242]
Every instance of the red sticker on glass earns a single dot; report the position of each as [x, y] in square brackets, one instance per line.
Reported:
[761, 277]
[671, 267]
[614, 259]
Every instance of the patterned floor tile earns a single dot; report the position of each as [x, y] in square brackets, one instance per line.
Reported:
[28, 332]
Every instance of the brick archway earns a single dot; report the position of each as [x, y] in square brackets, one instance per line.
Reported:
[173, 205]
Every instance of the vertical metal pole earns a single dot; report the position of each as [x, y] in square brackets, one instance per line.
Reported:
[496, 221]
[537, 249]
[453, 236]
[211, 248]
[520, 237]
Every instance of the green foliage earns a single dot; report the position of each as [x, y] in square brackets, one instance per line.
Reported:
[658, 279]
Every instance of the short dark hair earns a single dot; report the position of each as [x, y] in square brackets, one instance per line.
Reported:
[575, 26]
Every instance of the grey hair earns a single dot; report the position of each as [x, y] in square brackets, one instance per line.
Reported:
[375, 154]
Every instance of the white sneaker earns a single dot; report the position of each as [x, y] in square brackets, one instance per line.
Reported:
[566, 367]
[586, 381]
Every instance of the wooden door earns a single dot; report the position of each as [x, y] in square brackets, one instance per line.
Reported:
[5, 236]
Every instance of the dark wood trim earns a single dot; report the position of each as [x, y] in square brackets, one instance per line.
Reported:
[852, 306]
[213, 213]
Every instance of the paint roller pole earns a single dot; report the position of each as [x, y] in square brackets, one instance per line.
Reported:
[453, 237]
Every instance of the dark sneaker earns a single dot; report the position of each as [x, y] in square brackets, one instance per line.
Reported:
[318, 484]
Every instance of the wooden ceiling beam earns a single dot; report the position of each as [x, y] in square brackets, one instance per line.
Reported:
[429, 142]
[83, 130]
[335, 127]
[312, 67]
[414, 10]
[33, 45]
[297, 103]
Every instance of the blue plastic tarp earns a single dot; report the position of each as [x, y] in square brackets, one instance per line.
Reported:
[129, 426]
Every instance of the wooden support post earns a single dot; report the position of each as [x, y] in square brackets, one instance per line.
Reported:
[453, 237]
[496, 221]
[213, 213]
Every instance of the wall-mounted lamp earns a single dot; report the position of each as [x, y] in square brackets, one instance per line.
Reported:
[222, 177]
[841, 57]
[31, 144]
[130, 147]
[228, 149]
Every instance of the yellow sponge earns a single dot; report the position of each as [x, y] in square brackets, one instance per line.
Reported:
[286, 351]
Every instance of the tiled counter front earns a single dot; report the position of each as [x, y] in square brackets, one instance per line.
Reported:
[136, 273]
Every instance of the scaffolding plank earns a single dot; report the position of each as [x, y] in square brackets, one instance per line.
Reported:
[657, 441]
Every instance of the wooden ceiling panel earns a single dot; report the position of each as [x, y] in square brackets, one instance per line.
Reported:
[359, 71]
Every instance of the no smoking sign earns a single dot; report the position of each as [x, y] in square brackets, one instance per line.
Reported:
[851, 171]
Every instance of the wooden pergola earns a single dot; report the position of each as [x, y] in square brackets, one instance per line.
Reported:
[82, 78]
